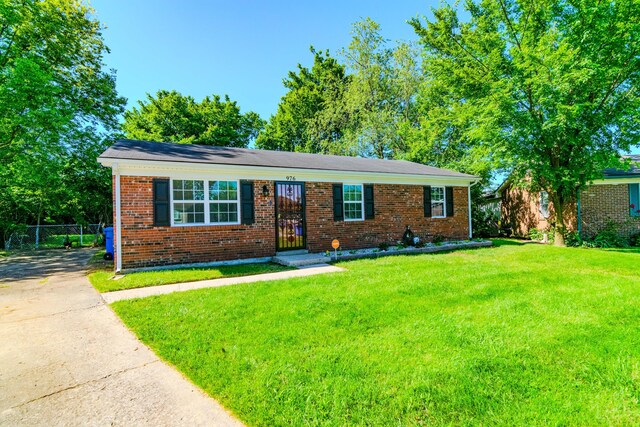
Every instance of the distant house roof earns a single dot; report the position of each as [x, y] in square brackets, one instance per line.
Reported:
[192, 153]
[634, 169]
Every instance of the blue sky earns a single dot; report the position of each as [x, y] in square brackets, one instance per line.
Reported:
[240, 48]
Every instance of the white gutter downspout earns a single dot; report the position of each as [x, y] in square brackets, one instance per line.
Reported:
[117, 218]
[469, 206]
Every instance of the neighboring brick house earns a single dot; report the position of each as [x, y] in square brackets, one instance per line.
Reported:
[613, 199]
[183, 203]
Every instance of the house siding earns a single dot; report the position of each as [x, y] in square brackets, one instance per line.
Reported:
[144, 245]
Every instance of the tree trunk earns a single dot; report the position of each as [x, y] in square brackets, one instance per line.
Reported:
[558, 206]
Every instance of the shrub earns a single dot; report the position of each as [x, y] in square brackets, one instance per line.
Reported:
[438, 238]
[573, 239]
[608, 237]
[383, 246]
[634, 240]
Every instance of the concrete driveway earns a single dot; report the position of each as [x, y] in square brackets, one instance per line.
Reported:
[66, 359]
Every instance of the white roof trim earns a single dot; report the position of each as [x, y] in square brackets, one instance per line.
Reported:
[129, 167]
[616, 181]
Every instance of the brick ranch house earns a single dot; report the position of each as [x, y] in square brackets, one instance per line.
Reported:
[614, 198]
[183, 204]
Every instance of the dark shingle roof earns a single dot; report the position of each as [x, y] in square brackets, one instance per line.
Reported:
[192, 153]
[634, 169]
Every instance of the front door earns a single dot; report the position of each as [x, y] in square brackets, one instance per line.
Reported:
[290, 223]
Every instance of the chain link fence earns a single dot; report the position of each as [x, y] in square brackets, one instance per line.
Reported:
[55, 236]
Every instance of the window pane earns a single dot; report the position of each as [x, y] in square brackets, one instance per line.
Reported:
[223, 190]
[353, 210]
[188, 190]
[223, 212]
[352, 193]
[437, 209]
[437, 194]
[188, 213]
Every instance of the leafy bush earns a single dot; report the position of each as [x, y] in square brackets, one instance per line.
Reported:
[608, 237]
[573, 239]
[383, 246]
[634, 240]
[437, 239]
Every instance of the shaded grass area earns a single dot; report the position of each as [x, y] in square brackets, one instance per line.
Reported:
[57, 240]
[518, 334]
[103, 282]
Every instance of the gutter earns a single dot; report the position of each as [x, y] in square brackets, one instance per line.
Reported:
[579, 216]
[469, 206]
[116, 170]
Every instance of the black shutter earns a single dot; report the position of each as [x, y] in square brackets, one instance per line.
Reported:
[449, 200]
[161, 211]
[427, 201]
[246, 202]
[338, 213]
[368, 202]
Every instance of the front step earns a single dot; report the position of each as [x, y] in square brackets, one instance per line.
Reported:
[301, 259]
[294, 252]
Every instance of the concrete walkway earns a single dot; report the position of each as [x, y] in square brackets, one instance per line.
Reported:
[66, 359]
[311, 270]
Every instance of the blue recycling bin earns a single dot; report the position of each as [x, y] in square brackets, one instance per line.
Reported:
[108, 238]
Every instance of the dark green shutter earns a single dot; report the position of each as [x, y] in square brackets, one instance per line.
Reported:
[161, 211]
[449, 200]
[634, 200]
[369, 212]
[338, 213]
[427, 201]
[246, 202]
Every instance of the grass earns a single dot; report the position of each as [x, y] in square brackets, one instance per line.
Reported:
[102, 279]
[519, 334]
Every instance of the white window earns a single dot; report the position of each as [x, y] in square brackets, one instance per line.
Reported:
[192, 204]
[544, 204]
[224, 202]
[353, 202]
[438, 205]
[188, 201]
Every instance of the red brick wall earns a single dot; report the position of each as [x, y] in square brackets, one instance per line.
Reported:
[395, 207]
[603, 203]
[521, 212]
[144, 245]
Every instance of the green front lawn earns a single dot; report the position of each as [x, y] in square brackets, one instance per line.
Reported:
[512, 335]
[103, 280]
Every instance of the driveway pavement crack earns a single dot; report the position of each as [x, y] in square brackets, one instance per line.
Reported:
[122, 371]
[71, 310]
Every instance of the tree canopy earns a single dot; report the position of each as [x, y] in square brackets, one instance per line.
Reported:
[171, 116]
[311, 116]
[57, 103]
[549, 89]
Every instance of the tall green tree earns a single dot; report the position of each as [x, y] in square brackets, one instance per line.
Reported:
[381, 97]
[54, 91]
[551, 87]
[311, 116]
[171, 116]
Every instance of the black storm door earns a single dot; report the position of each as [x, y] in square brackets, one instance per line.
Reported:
[290, 223]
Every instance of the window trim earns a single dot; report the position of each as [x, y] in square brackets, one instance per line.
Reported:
[542, 213]
[444, 202]
[207, 202]
[345, 202]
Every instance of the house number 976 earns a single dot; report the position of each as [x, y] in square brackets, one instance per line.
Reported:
[291, 178]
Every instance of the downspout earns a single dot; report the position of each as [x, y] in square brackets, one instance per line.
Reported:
[117, 218]
[579, 217]
[469, 206]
